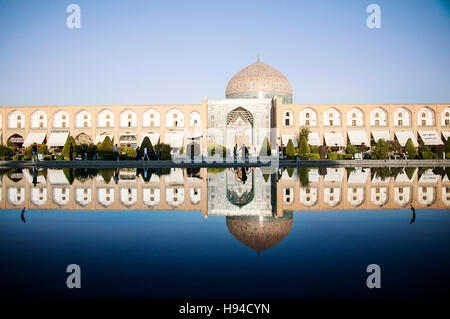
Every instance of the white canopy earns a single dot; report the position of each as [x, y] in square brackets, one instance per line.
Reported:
[314, 139]
[100, 138]
[381, 135]
[334, 139]
[154, 138]
[358, 137]
[56, 176]
[32, 138]
[430, 138]
[286, 137]
[57, 139]
[403, 136]
[446, 135]
[174, 139]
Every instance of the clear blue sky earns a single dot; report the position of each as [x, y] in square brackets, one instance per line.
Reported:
[148, 52]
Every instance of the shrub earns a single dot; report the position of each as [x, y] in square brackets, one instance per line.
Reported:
[27, 158]
[304, 147]
[340, 156]
[66, 149]
[380, 150]
[410, 149]
[214, 148]
[314, 149]
[447, 146]
[165, 150]
[428, 155]
[348, 156]
[146, 142]
[48, 157]
[130, 152]
[313, 156]
[91, 150]
[265, 148]
[332, 156]
[303, 176]
[106, 149]
[351, 149]
[5, 151]
[447, 155]
[290, 150]
[60, 157]
[107, 174]
[323, 151]
[17, 157]
[304, 133]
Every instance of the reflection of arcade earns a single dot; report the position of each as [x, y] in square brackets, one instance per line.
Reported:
[238, 193]
[260, 232]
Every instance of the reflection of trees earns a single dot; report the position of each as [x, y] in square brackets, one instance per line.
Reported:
[410, 172]
[381, 172]
[303, 176]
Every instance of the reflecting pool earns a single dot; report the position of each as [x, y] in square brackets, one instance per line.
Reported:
[225, 232]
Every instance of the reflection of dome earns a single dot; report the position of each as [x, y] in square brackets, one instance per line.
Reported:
[259, 80]
[259, 233]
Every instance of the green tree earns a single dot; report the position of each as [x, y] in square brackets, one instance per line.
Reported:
[304, 132]
[380, 150]
[304, 147]
[303, 175]
[165, 150]
[5, 151]
[351, 149]
[447, 145]
[66, 149]
[323, 151]
[146, 142]
[410, 149]
[394, 146]
[106, 149]
[265, 148]
[290, 150]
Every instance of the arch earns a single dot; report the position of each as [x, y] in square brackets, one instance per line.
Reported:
[446, 116]
[355, 195]
[16, 119]
[332, 195]
[151, 196]
[61, 195]
[175, 195]
[379, 195]
[83, 138]
[151, 118]
[308, 196]
[128, 195]
[128, 119]
[195, 120]
[83, 195]
[402, 195]
[16, 195]
[402, 117]
[243, 114]
[61, 119]
[378, 117]
[308, 117]
[16, 139]
[288, 118]
[174, 118]
[426, 195]
[105, 118]
[39, 119]
[105, 196]
[425, 117]
[83, 119]
[355, 117]
[38, 195]
[195, 195]
[332, 117]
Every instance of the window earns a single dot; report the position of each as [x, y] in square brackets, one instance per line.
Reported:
[353, 122]
[400, 122]
[377, 122]
[400, 114]
[377, 115]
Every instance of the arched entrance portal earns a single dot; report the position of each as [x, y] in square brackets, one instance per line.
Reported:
[239, 127]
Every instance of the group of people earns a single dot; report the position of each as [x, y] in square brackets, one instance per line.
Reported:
[244, 151]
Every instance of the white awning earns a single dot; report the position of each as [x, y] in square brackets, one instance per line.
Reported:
[57, 139]
[430, 138]
[56, 176]
[314, 139]
[100, 138]
[334, 139]
[32, 138]
[154, 138]
[403, 136]
[285, 139]
[446, 135]
[174, 139]
[358, 137]
[381, 135]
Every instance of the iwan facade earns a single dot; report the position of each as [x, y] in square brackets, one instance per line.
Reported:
[258, 104]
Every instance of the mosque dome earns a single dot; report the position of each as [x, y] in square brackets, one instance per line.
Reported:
[259, 233]
[259, 80]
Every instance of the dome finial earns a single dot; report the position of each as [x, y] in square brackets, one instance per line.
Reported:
[257, 57]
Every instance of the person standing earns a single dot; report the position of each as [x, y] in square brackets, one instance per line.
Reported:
[35, 153]
[138, 153]
[116, 152]
[146, 153]
[71, 152]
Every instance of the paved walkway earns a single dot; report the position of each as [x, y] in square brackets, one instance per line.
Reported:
[254, 163]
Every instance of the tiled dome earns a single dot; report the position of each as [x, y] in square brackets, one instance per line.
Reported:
[259, 80]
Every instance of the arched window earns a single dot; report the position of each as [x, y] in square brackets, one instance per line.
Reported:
[402, 117]
[61, 119]
[16, 119]
[378, 117]
[151, 118]
[355, 118]
[288, 118]
[332, 117]
[425, 117]
[38, 119]
[379, 195]
[194, 119]
[446, 117]
[174, 118]
[105, 118]
[308, 117]
[332, 196]
[83, 119]
[128, 119]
